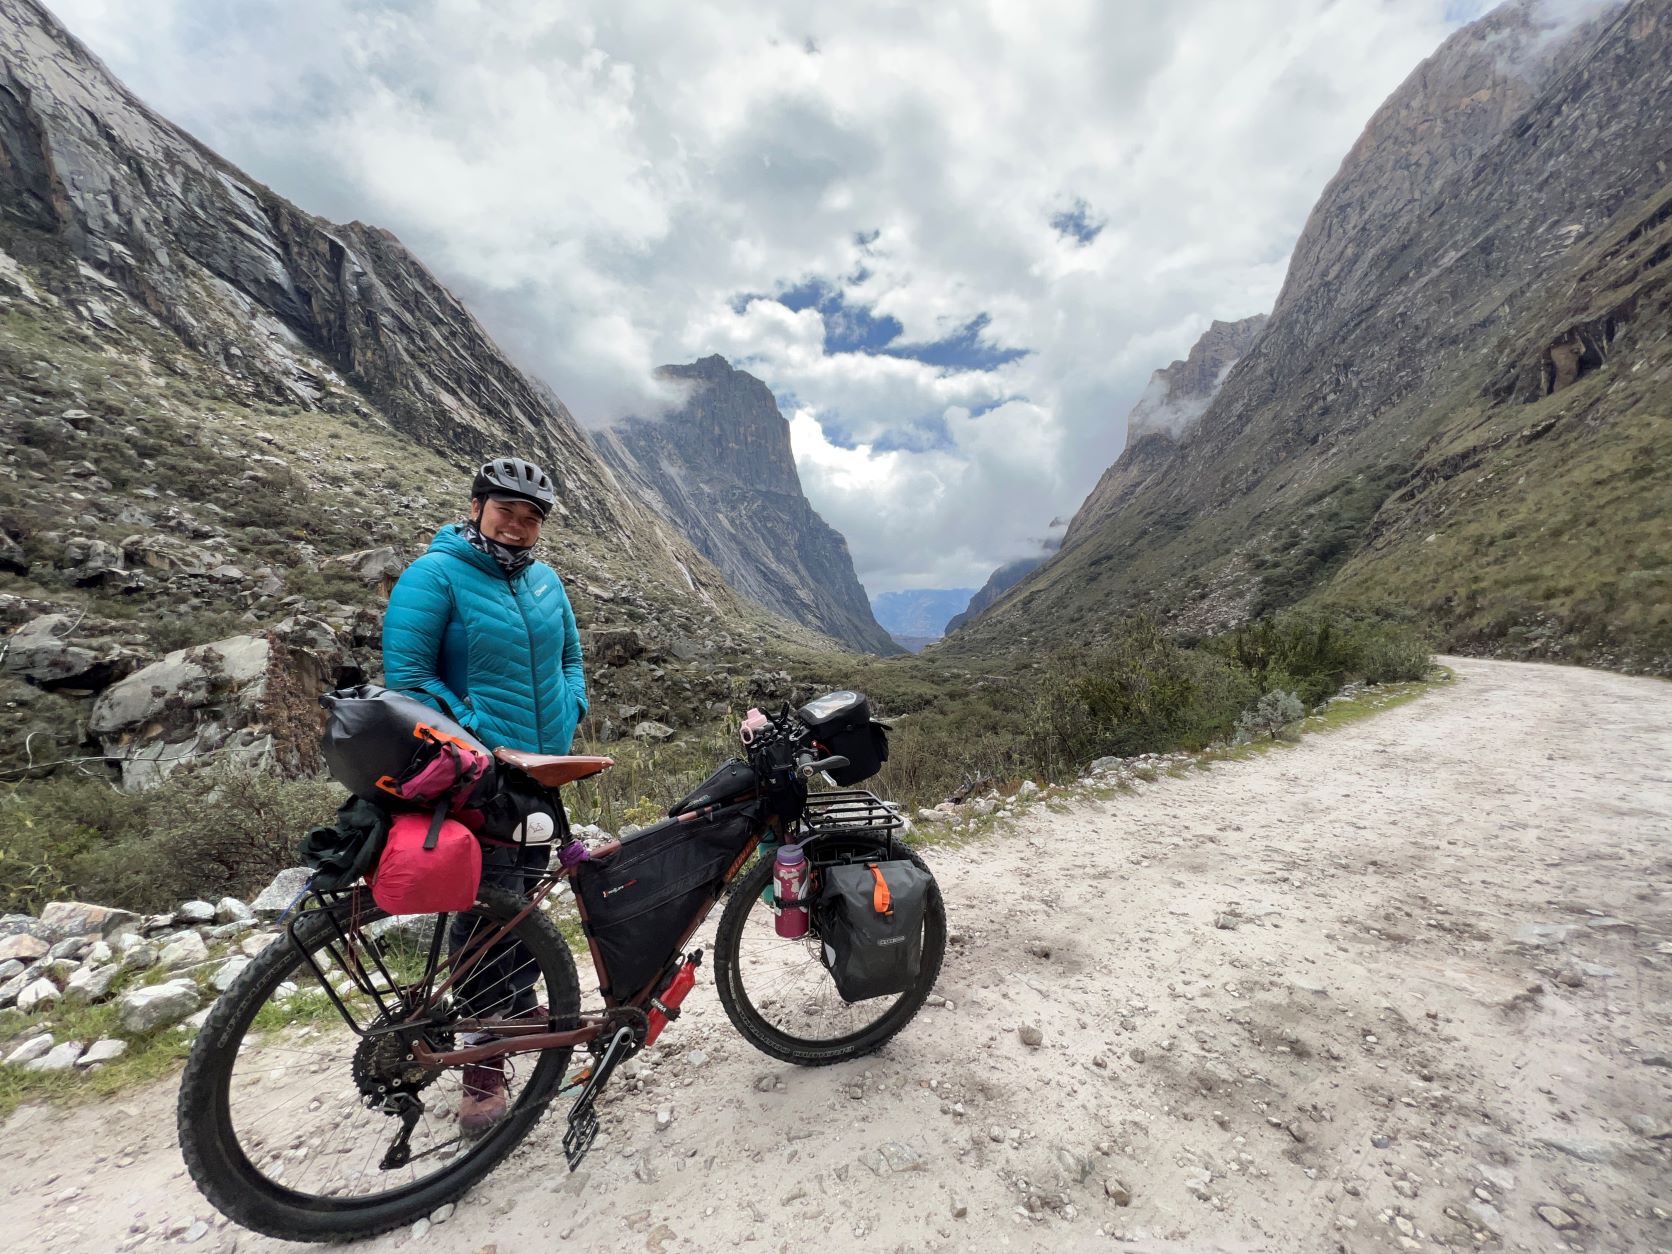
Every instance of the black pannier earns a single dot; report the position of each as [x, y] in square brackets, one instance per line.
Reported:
[841, 724]
[731, 782]
[640, 900]
[870, 917]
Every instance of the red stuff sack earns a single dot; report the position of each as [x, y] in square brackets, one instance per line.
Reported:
[430, 863]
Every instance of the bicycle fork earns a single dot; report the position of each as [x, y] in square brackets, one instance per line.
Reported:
[583, 1117]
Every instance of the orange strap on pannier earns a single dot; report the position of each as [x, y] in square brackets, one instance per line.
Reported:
[881, 902]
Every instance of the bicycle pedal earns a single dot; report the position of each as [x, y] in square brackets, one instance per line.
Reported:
[582, 1131]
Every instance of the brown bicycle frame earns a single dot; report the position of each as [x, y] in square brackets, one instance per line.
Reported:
[522, 1038]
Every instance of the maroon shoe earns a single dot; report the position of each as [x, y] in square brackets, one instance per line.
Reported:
[485, 1100]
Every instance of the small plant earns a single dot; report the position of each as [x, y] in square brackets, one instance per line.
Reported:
[1275, 715]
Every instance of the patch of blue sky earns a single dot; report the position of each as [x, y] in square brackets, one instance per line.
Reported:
[964, 351]
[1460, 12]
[856, 329]
[1077, 223]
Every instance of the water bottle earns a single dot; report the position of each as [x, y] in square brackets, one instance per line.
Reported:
[664, 1007]
[790, 875]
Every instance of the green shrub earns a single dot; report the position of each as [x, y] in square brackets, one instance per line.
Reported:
[209, 833]
[1277, 714]
[169, 632]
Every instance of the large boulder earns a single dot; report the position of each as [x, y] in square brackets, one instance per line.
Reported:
[277, 897]
[613, 646]
[51, 652]
[377, 568]
[93, 563]
[253, 696]
[158, 1005]
[79, 918]
[164, 553]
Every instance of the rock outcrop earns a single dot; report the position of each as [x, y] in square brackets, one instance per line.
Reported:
[720, 468]
[1175, 400]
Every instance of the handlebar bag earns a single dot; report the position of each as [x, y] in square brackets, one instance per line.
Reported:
[638, 903]
[430, 863]
[870, 919]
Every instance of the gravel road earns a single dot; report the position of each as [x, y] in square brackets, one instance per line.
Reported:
[1407, 985]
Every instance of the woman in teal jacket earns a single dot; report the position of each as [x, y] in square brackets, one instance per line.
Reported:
[480, 630]
[484, 633]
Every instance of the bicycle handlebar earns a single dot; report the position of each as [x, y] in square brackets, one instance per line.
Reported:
[807, 766]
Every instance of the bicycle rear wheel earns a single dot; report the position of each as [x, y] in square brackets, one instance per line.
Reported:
[281, 1113]
[779, 994]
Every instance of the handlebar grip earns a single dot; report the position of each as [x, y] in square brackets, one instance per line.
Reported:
[806, 770]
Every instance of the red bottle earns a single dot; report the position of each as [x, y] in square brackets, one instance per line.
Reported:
[664, 1007]
[790, 874]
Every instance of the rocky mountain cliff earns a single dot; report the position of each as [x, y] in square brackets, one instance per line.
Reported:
[1176, 398]
[720, 468]
[228, 426]
[998, 583]
[1457, 403]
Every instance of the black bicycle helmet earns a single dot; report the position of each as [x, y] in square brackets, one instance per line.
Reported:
[512, 476]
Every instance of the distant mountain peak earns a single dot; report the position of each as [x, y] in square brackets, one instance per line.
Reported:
[720, 467]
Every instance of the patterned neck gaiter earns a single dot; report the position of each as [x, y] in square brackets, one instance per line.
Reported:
[512, 560]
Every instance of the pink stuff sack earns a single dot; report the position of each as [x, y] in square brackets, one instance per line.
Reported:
[430, 863]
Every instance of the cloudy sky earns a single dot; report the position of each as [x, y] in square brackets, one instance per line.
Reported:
[953, 239]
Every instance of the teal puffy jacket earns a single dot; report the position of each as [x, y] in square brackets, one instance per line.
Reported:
[503, 655]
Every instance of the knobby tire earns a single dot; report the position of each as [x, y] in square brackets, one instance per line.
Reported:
[210, 1142]
[744, 936]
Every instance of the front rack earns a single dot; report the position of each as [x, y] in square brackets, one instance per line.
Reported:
[847, 810]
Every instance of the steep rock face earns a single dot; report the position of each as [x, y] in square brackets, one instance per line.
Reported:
[1473, 331]
[291, 306]
[1176, 398]
[720, 468]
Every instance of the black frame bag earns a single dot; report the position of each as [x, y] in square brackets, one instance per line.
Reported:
[640, 901]
[870, 917]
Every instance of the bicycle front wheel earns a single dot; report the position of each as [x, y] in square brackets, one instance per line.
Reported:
[779, 994]
[291, 1122]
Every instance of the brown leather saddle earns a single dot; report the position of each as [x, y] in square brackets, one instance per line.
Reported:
[553, 770]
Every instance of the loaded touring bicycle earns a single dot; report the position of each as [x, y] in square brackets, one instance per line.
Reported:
[320, 1101]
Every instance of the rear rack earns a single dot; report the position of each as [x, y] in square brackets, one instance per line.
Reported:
[847, 810]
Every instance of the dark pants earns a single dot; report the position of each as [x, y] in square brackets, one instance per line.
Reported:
[501, 983]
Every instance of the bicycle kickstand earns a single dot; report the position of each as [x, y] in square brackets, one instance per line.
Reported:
[583, 1118]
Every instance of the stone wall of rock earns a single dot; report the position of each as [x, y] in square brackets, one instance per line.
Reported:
[720, 468]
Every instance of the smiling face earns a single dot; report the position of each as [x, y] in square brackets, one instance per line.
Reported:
[516, 523]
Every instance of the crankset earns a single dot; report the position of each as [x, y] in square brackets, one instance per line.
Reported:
[583, 1117]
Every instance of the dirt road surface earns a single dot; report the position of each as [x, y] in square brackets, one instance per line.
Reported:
[1407, 985]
